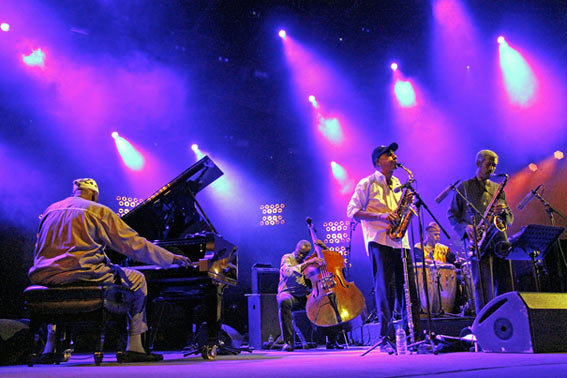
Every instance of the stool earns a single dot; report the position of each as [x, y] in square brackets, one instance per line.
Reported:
[297, 334]
[74, 305]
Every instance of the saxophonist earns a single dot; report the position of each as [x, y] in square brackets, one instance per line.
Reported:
[480, 191]
[374, 204]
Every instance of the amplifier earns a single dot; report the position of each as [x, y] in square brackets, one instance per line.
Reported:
[265, 280]
[263, 319]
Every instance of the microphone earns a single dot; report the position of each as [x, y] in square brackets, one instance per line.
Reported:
[531, 194]
[446, 192]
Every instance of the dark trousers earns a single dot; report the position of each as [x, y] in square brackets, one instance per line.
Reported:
[388, 269]
[496, 279]
[286, 303]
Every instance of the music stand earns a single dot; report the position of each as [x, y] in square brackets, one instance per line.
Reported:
[532, 243]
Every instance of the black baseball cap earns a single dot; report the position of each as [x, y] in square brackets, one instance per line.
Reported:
[380, 150]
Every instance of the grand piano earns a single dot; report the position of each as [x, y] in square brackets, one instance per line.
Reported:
[173, 219]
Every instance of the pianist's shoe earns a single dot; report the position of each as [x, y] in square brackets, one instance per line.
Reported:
[129, 356]
[52, 358]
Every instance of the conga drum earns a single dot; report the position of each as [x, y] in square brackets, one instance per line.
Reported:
[434, 302]
[447, 286]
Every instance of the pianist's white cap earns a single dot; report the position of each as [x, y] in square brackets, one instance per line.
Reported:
[85, 183]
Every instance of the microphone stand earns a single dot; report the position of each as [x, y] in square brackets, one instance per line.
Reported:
[352, 227]
[550, 211]
[475, 241]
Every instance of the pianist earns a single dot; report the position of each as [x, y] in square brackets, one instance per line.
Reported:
[69, 249]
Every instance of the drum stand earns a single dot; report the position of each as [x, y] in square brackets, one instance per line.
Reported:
[438, 291]
[467, 289]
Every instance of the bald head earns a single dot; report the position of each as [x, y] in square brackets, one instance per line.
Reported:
[302, 249]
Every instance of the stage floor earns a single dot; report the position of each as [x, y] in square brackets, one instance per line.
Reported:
[313, 362]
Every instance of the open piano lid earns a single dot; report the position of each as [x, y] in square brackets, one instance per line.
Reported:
[170, 212]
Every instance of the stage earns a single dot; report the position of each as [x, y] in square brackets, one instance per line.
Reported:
[313, 362]
[214, 129]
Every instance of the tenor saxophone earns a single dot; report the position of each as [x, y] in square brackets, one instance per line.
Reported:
[404, 211]
[490, 219]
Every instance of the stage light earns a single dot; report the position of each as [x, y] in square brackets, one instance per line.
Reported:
[532, 167]
[5, 27]
[198, 153]
[124, 204]
[339, 238]
[331, 129]
[338, 172]
[131, 157]
[405, 94]
[313, 101]
[519, 79]
[501, 40]
[558, 155]
[282, 34]
[36, 58]
[114, 134]
[394, 66]
[345, 183]
[272, 220]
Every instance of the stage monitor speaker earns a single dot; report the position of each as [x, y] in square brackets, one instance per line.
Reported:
[263, 319]
[519, 322]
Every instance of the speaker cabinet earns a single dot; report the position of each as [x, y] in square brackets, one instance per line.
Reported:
[263, 319]
[265, 280]
[519, 322]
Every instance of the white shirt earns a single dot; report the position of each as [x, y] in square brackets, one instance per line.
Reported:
[373, 194]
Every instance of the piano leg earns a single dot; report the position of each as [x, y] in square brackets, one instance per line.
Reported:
[213, 305]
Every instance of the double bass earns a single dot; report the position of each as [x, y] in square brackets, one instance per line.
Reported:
[333, 300]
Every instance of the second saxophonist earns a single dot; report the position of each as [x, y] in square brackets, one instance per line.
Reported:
[374, 204]
[480, 191]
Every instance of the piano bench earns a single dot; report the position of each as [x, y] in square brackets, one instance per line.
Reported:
[73, 306]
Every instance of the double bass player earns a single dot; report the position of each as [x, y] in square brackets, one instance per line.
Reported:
[293, 289]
